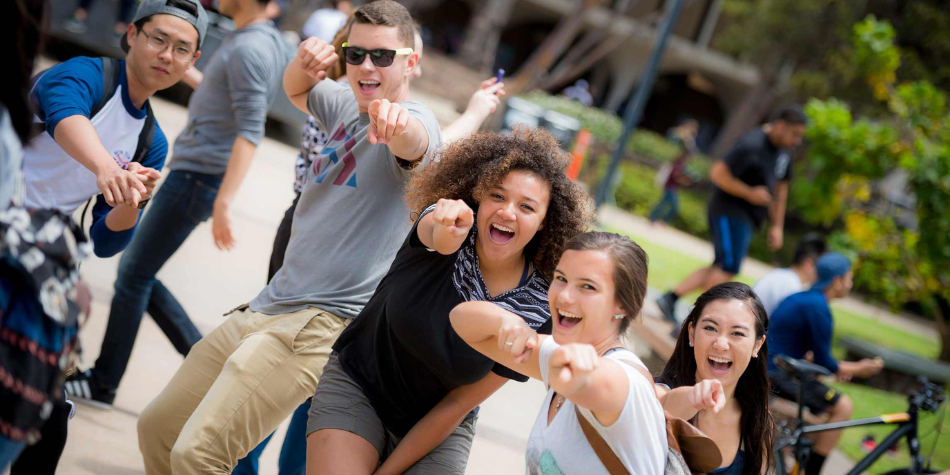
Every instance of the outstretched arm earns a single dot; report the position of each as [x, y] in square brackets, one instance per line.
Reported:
[446, 227]
[685, 401]
[488, 328]
[482, 104]
[439, 423]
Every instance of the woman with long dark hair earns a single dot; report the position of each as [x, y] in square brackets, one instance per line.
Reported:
[719, 378]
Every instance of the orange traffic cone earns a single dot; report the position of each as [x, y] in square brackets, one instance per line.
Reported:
[578, 154]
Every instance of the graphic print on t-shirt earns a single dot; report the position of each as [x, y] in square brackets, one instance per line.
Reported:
[122, 158]
[340, 144]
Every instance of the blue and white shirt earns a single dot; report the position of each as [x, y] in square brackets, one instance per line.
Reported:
[53, 179]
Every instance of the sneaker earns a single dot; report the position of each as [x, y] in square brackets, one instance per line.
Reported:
[82, 387]
[75, 25]
[667, 306]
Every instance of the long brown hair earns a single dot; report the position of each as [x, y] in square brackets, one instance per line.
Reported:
[757, 428]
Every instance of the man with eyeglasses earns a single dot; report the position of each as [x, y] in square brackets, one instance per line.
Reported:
[226, 116]
[248, 375]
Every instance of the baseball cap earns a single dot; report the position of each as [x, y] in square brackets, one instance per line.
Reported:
[829, 267]
[161, 7]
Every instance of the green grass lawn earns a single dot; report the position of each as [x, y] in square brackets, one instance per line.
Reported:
[668, 267]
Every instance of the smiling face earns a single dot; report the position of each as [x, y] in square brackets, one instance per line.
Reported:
[157, 70]
[724, 341]
[370, 82]
[510, 214]
[582, 297]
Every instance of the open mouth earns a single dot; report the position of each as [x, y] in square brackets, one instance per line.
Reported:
[500, 234]
[719, 365]
[567, 320]
[368, 86]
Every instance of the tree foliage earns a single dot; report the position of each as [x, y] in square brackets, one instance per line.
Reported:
[847, 156]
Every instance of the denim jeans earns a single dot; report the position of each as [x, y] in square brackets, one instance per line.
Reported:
[184, 200]
[10, 450]
[293, 454]
[666, 209]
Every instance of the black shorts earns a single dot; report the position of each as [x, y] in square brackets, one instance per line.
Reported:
[817, 397]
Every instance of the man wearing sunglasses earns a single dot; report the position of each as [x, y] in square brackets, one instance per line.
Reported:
[248, 375]
[211, 156]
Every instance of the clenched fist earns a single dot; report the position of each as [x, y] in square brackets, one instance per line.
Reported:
[315, 57]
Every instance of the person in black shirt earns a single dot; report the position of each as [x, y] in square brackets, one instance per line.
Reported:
[403, 385]
[751, 187]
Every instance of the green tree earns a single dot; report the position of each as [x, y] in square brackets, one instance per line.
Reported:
[847, 155]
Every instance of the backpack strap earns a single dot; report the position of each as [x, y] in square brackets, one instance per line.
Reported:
[111, 71]
[146, 137]
[604, 453]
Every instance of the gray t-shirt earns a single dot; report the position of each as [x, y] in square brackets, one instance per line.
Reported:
[240, 83]
[351, 217]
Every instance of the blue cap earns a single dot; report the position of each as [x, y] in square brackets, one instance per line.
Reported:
[830, 266]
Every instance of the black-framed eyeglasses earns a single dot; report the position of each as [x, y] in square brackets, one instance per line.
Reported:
[380, 57]
[157, 43]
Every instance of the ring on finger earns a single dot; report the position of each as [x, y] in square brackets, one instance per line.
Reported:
[509, 343]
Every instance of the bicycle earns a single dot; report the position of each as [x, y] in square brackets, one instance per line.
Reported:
[928, 398]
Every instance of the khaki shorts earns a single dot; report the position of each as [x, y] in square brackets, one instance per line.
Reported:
[339, 403]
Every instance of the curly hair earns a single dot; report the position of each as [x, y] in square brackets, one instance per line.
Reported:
[467, 169]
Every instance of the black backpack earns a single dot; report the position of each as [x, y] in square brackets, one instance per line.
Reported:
[111, 70]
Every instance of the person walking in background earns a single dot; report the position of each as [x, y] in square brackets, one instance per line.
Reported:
[673, 175]
[751, 188]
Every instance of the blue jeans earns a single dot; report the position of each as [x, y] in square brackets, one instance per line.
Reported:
[293, 454]
[666, 209]
[184, 200]
[10, 450]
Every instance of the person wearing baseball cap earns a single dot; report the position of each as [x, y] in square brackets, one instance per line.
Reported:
[210, 158]
[803, 323]
[100, 138]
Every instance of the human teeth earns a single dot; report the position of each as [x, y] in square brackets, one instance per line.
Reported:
[503, 228]
[369, 83]
[719, 360]
[568, 314]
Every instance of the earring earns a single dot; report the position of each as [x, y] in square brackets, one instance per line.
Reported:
[619, 316]
[690, 342]
[755, 355]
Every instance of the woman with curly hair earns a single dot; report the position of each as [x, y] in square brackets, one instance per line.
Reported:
[492, 214]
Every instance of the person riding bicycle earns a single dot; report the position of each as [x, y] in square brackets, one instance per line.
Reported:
[803, 323]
